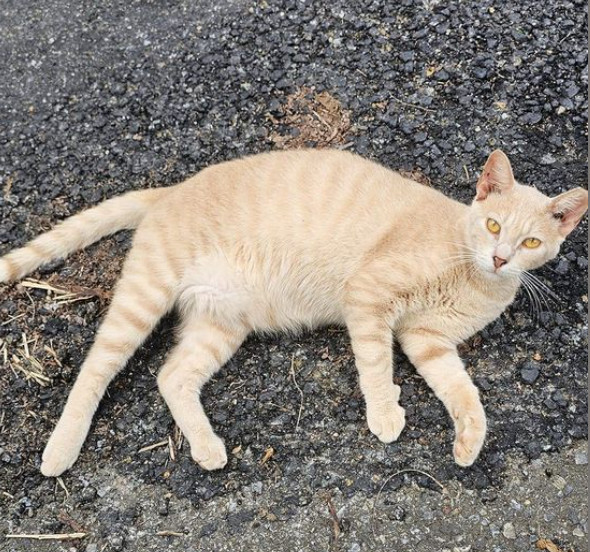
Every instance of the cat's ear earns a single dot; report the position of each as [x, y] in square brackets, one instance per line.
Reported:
[496, 176]
[569, 208]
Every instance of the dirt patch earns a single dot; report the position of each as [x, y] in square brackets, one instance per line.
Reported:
[311, 119]
[417, 175]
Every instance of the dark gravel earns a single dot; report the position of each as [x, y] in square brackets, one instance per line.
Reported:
[95, 101]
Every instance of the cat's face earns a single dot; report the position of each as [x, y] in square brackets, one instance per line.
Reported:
[512, 228]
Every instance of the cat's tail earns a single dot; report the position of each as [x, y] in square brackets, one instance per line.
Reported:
[119, 213]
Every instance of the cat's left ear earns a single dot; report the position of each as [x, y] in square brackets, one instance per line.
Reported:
[569, 208]
[496, 176]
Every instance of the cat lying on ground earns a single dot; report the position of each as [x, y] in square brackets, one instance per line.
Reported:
[295, 239]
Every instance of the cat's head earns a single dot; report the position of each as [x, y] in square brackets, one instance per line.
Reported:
[512, 227]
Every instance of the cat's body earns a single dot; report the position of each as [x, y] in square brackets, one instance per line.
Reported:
[301, 239]
[278, 246]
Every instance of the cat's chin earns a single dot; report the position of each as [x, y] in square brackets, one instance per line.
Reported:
[494, 275]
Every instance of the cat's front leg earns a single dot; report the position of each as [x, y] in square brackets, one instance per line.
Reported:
[438, 363]
[372, 347]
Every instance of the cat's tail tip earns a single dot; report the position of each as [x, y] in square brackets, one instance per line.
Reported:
[6, 272]
[79, 231]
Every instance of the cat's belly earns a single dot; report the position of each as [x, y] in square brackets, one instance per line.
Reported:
[215, 287]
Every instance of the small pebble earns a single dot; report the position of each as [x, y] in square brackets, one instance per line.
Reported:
[563, 267]
[529, 372]
[558, 482]
[508, 531]
[581, 457]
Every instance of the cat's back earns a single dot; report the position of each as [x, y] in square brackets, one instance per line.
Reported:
[312, 192]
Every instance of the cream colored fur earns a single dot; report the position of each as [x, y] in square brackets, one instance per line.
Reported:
[298, 239]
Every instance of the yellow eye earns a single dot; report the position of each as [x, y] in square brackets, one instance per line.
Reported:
[493, 226]
[531, 243]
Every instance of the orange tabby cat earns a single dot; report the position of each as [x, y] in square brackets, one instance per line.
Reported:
[295, 239]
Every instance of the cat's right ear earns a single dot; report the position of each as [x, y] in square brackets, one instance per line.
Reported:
[496, 176]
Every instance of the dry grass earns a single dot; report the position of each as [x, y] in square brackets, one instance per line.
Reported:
[417, 176]
[22, 360]
[55, 536]
[59, 295]
[319, 120]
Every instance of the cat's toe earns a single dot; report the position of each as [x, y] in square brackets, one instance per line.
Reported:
[387, 424]
[209, 453]
[469, 442]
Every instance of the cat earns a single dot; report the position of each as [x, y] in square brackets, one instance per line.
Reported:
[293, 239]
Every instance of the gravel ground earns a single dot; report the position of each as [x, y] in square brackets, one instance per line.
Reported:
[99, 100]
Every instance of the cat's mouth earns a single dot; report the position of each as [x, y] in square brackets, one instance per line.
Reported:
[494, 268]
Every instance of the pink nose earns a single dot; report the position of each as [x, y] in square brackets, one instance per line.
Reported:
[499, 261]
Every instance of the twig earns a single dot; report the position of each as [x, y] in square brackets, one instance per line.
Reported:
[26, 345]
[334, 517]
[171, 449]
[298, 389]
[12, 319]
[64, 517]
[63, 486]
[56, 536]
[63, 296]
[400, 472]
[49, 348]
[155, 445]
[167, 533]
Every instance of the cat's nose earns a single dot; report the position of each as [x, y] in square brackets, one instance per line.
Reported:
[499, 261]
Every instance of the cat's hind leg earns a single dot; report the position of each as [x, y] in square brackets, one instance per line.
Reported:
[437, 361]
[205, 345]
[145, 292]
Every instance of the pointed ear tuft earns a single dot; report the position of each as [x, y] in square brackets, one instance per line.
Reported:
[569, 208]
[496, 176]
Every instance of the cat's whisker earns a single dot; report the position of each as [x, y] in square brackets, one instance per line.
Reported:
[462, 245]
[532, 305]
[540, 293]
[543, 290]
[544, 286]
[536, 294]
[536, 304]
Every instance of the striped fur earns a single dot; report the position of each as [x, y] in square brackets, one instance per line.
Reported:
[300, 239]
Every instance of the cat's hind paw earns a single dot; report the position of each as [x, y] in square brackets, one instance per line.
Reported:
[64, 445]
[57, 458]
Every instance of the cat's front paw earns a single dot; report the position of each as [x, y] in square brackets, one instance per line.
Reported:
[469, 439]
[386, 422]
[209, 451]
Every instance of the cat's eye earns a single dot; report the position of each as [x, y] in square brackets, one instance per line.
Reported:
[493, 226]
[531, 243]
